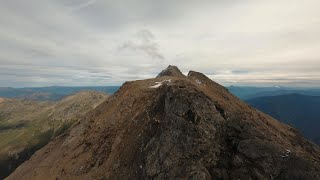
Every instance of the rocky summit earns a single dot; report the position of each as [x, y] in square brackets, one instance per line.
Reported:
[175, 127]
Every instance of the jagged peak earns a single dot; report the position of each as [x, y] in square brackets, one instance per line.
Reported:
[197, 74]
[171, 71]
[200, 77]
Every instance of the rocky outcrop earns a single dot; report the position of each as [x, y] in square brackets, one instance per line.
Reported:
[171, 71]
[185, 127]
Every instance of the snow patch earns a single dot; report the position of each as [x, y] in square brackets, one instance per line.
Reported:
[198, 81]
[286, 154]
[158, 84]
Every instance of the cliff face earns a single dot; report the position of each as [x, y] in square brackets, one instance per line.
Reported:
[175, 126]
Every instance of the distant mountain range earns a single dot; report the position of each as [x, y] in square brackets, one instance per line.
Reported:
[298, 107]
[26, 126]
[52, 93]
[249, 92]
[300, 111]
[55, 93]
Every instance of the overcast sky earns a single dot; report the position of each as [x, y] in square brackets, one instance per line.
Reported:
[107, 42]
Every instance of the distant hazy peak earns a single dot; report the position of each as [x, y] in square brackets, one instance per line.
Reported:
[171, 71]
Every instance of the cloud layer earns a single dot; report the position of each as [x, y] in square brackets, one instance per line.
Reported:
[104, 42]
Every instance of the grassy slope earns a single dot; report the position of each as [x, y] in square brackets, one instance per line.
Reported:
[26, 126]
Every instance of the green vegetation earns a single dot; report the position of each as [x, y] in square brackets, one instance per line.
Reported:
[27, 126]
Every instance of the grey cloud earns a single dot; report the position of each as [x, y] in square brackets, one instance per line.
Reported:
[75, 42]
[240, 71]
[83, 5]
[145, 42]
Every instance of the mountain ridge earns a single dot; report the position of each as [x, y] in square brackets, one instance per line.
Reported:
[175, 127]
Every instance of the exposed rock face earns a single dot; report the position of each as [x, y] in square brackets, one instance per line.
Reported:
[188, 127]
